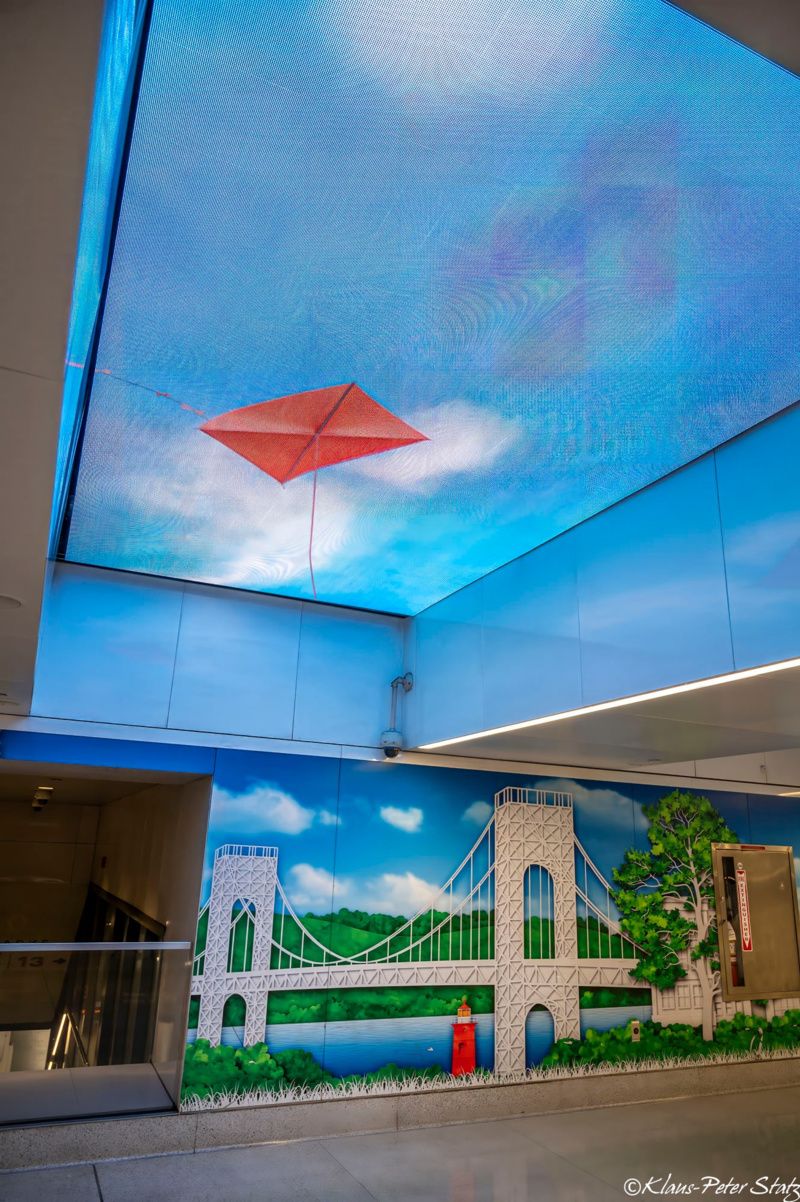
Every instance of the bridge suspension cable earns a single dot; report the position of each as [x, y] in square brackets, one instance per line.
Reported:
[606, 940]
[456, 924]
[466, 900]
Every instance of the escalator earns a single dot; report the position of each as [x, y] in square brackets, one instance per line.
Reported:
[102, 994]
[107, 1008]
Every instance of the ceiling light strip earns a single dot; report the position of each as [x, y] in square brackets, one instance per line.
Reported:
[618, 703]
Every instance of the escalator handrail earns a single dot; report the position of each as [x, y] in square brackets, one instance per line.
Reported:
[76, 1035]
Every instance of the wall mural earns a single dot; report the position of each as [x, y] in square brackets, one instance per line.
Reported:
[368, 927]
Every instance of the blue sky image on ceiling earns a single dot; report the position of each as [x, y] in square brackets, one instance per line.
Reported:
[552, 247]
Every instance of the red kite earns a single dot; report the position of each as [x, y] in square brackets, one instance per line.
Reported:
[301, 433]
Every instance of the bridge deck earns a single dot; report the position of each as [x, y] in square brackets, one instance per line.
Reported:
[582, 973]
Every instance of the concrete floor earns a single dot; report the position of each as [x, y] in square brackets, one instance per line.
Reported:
[582, 1155]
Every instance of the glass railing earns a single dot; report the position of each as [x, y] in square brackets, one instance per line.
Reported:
[90, 1028]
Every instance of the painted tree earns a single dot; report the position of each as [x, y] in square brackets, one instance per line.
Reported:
[665, 896]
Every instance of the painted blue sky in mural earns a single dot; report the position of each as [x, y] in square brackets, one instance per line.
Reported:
[385, 837]
[561, 244]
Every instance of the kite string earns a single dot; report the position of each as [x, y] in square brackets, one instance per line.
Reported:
[313, 512]
[105, 371]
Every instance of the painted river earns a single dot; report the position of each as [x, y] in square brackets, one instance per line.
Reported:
[366, 1044]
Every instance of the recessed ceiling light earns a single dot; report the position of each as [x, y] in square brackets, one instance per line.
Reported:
[7, 602]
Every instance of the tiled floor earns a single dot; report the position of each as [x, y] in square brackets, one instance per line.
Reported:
[584, 1156]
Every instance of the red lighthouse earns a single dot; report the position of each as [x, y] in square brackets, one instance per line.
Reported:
[463, 1041]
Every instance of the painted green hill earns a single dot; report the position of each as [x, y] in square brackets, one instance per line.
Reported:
[463, 937]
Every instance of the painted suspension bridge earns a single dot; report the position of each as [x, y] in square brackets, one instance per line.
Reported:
[526, 911]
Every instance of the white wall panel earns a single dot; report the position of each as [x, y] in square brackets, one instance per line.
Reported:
[120, 648]
[107, 647]
[347, 662]
[759, 494]
[236, 663]
[531, 648]
[448, 695]
[651, 588]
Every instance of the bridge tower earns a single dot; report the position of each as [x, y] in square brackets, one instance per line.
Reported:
[533, 826]
[245, 874]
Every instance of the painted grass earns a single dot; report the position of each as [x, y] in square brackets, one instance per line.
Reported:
[411, 1085]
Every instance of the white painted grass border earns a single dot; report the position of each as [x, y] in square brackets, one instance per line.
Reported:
[410, 1085]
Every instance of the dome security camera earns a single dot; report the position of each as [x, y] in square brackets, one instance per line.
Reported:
[392, 744]
[41, 796]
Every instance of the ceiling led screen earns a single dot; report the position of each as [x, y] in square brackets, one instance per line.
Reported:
[400, 291]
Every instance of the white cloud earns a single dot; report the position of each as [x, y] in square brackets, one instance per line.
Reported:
[312, 887]
[479, 812]
[199, 507]
[409, 820]
[613, 810]
[316, 889]
[328, 818]
[461, 437]
[261, 530]
[260, 808]
[459, 46]
[398, 893]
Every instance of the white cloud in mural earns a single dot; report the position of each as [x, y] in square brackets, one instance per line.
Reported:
[461, 437]
[398, 893]
[261, 808]
[312, 888]
[409, 820]
[479, 812]
[328, 818]
[605, 806]
[389, 893]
